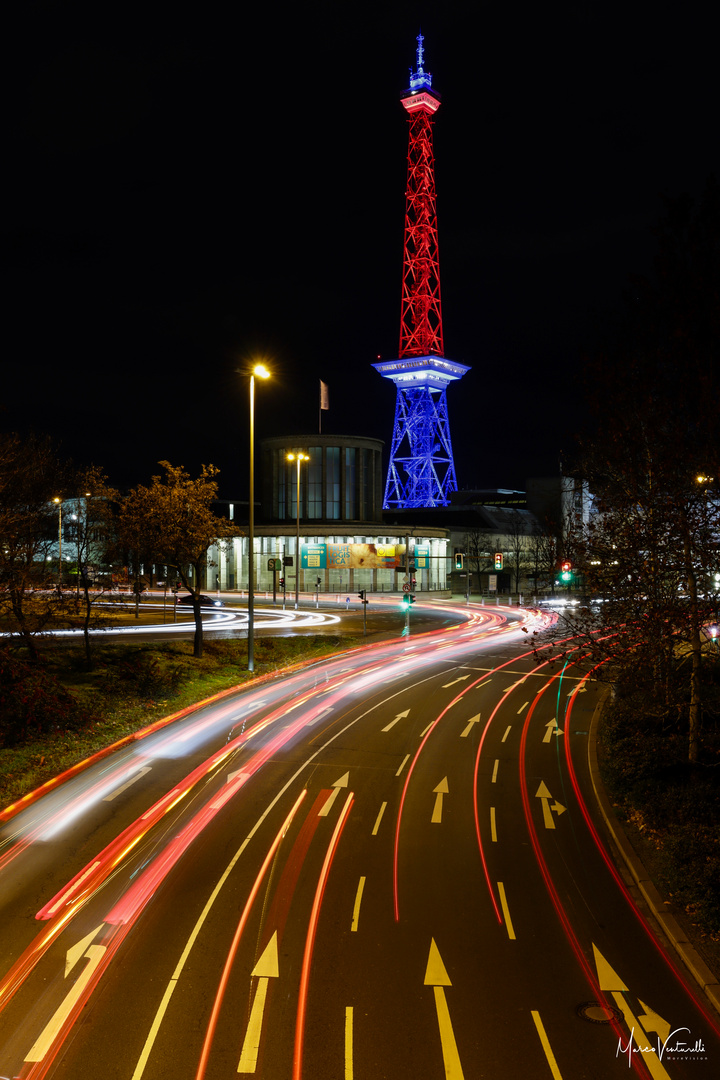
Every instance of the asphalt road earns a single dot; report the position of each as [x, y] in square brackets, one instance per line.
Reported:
[388, 865]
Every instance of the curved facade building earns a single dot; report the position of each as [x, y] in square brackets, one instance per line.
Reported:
[342, 481]
[341, 542]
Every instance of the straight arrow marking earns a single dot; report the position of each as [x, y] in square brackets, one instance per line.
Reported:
[437, 977]
[440, 790]
[327, 805]
[266, 969]
[461, 678]
[473, 720]
[400, 716]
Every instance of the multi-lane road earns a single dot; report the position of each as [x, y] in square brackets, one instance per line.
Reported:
[388, 865]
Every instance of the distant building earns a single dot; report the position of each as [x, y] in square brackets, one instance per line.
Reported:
[345, 540]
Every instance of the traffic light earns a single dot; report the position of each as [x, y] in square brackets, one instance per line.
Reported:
[458, 560]
[281, 582]
[566, 571]
[407, 600]
[361, 594]
[498, 560]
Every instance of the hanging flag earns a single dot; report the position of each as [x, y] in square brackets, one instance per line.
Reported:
[324, 396]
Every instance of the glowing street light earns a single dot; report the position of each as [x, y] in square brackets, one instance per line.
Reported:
[299, 457]
[58, 500]
[261, 372]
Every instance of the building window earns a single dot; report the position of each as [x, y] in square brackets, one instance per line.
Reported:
[314, 482]
[279, 482]
[350, 501]
[332, 483]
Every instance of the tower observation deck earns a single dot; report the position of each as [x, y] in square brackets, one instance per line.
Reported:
[421, 471]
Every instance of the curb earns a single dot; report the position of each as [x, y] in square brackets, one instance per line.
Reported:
[705, 978]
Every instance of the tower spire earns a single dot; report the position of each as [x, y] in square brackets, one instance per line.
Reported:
[421, 471]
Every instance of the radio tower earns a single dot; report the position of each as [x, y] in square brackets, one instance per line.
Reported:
[421, 470]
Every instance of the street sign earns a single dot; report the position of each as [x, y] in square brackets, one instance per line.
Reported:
[407, 588]
[274, 564]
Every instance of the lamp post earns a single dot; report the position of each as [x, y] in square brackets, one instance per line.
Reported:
[58, 500]
[262, 373]
[297, 458]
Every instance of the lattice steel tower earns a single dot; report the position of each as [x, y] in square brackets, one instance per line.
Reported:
[421, 470]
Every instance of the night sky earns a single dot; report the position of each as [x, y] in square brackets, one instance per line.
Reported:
[193, 188]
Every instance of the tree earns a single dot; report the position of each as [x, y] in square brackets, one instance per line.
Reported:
[31, 475]
[653, 462]
[479, 547]
[172, 522]
[91, 538]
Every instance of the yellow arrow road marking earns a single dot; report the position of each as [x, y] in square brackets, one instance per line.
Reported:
[544, 794]
[75, 952]
[609, 981]
[41, 1046]
[652, 1021]
[327, 805]
[461, 678]
[437, 977]
[266, 969]
[473, 720]
[400, 716]
[440, 790]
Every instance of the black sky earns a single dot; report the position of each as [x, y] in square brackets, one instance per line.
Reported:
[192, 188]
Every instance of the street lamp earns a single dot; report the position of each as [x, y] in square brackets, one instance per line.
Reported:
[298, 458]
[262, 373]
[58, 500]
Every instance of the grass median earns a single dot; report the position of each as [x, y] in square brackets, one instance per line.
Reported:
[54, 715]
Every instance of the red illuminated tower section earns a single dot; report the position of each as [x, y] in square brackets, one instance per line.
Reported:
[421, 471]
[421, 315]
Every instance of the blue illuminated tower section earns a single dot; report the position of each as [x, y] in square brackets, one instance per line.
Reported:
[421, 471]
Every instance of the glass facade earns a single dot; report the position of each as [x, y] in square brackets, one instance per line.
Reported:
[314, 483]
[332, 483]
[350, 499]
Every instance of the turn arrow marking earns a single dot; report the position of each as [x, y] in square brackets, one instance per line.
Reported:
[52, 1029]
[543, 793]
[551, 728]
[75, 951]
[610, 982]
